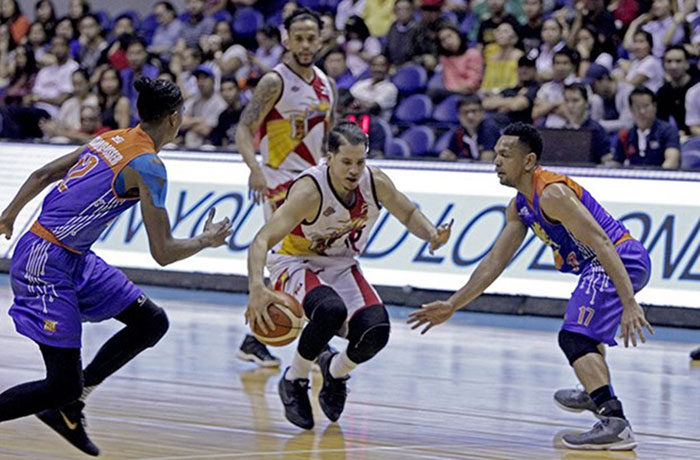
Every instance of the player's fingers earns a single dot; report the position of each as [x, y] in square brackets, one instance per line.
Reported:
[418, 324]
[633, 336]
[648, 326]
[268, 320]
[210, 217]
[427, 328]
[625, 335]
[640, 331]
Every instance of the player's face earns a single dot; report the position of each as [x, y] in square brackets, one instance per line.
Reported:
[175, 120]
[304, 42]
[510, 161]
[346, 165]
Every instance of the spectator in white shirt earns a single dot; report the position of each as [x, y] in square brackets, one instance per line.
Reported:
[168, 31]
[202, 112]
[692, 110]
[54, 84]
[645, 69]
[377, 94]
[549, 103]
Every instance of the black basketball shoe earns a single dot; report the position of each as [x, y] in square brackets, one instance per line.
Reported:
[295, 397]
[334, 391]
[254, 351]
[695, 354]
[69, 422]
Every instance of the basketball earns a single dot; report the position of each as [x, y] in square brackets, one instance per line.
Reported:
[288, 319]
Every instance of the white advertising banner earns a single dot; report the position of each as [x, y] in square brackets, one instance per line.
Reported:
[661, 209]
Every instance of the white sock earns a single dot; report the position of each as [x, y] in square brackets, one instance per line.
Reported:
[341, 365]
[299, 369]
[86, 392]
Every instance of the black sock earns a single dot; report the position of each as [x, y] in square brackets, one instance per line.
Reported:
[607, 402]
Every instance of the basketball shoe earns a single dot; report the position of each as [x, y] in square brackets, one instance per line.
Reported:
[327, 349]
[575, 400]
[69, 422]
[252, 350]
[295, 397]
[695, 354]
[611, 433]
[334, 391]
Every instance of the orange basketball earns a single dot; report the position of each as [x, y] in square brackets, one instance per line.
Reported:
[288, 319]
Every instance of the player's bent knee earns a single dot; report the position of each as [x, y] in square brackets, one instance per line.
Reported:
[149, 319]
[575, 345]
[322, 304]
[368, 333]
[158, 325]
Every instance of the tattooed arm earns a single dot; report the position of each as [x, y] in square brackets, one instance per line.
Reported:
[265, 97]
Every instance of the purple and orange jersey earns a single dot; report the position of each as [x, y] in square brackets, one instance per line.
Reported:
[570, 254]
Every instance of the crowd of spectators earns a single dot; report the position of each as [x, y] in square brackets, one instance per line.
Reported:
[430, 78]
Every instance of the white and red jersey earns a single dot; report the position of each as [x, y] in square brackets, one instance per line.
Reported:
[338, 230]
[293, 132]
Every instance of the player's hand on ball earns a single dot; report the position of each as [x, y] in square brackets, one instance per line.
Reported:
[431, 315]
[257, 313]
[633, 323]
[441, 237]
[216, 232]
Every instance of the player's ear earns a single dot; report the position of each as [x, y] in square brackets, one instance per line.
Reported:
[530, 161]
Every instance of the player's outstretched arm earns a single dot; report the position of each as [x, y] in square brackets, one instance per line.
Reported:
[407, 213]
[35, 183]
[148, 175]
[489, 269]
[302, 204]
[559, 202]
[266, 93]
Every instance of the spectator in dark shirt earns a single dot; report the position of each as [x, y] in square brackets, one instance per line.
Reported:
[401, 39]
[515, 104]
[196, 24]
[336, 68]
[671, 95]
[578, 117]
[596, 14]
[651, 142]
[427, 33]
[224, 134]
[476, 136]
[531, 33]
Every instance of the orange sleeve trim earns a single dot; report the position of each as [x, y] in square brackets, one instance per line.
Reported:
[544, 178]
[45, 234]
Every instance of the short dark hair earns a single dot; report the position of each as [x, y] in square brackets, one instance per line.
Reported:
[580, 87]
[336, 50]
[647, 36]
[346, 132]
[527, 135]
[270, 31]
[157, 98]
[573, 55]
[82, 71]
[229, 79]
[303, 14]
[678, 48]
[469, 99]
[168, 6]
[642, 90]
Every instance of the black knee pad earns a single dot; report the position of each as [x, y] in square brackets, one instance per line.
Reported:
[64, 374]
[368, 333]
[147, 317]
[323, 305]
[575, 345]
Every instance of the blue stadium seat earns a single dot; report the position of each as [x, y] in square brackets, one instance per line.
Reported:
[313, 4]
[222, 15]
[446, 111]
[388, 134]
[690, 154]
[247, 21]
[436, 83]
[413, 109]
[105, 21]
[148, 27]
[410, 79]
[421, 140]
[398, 148]
[443, 141]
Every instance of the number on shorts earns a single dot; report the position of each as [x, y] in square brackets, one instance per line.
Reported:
[584, 318]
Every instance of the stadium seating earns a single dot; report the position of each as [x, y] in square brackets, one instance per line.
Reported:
[398, 148]
[247, 21]
[446, 111]
[410, 80]
[421, 140]
[443, 141]
[690, 154]
[414, 109]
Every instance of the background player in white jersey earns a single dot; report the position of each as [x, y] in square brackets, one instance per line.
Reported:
[321, 227]
[293, 107]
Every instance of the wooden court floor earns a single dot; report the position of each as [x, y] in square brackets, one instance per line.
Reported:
[479, 387]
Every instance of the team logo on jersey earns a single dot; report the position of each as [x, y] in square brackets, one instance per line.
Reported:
[50, 326]
[524, 212]
[330, 210]
[573, 261]
[350, 230]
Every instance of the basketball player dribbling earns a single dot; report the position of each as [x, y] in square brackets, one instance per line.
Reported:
[293, 106]
[587, 241]
[317, 233]
[58, 282]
